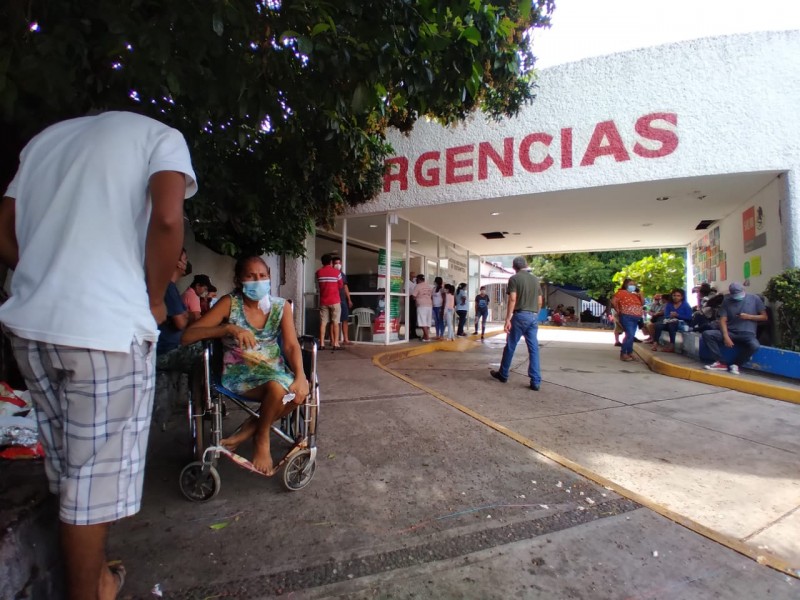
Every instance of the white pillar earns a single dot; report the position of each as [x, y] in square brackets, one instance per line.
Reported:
[790, 218]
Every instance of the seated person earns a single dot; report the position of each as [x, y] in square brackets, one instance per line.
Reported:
[707, 311]
[570, 316]
[739, 317]
[171, 356]
[249, 321]
[557, 318]
[208, 300]
[656, 313]
[677, 314]
[191, 297]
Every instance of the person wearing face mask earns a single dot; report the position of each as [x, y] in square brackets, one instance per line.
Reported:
[249, 321]
[329, 282]
[739, 316]
[628, 303]
[345, 302]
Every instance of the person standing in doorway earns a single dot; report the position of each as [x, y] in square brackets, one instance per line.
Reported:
[628, 303]
[461, 308]
[329, 282]
[345, 301]
[438, 307]
[481, 311]
[412, 306]
[423, 296]
[95, 209]
[449, 312]
[524, 299]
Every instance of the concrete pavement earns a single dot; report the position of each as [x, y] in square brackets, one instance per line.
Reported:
[416, 498]
[725, 460]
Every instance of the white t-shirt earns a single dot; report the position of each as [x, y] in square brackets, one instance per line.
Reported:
[82, 212]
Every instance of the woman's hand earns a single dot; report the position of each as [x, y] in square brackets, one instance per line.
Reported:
[299, 388]
[243, 337]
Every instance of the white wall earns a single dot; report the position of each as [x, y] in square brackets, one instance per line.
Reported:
[734, 98]
[732, 242]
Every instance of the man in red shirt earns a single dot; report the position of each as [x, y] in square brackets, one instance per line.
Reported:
[329, 281]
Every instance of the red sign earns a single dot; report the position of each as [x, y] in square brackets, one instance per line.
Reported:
[749, 225]
[461, 165]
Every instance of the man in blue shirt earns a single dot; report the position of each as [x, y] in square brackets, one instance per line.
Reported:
[739, 316]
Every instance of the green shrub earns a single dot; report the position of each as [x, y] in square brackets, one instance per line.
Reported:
[785, 289]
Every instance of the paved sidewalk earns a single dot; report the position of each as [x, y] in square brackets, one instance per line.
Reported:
[727, 460]
[415, 499]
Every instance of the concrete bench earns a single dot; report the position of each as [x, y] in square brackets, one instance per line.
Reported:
[766, 359]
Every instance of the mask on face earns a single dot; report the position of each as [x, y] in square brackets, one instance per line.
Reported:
[256, 290]
[188, 269]
[631, 288]
[738, 297]
[338, 267]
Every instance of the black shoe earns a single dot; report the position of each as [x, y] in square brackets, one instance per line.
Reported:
[496, 375]
[618, 343]
[535, 387]
[637, 340]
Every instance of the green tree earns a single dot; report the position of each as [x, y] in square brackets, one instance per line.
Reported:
[784, 289]
[284, 103]
[590, 271]
[655, 273]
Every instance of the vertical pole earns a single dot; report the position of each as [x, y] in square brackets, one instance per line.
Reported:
[790, 218]
[387, 291]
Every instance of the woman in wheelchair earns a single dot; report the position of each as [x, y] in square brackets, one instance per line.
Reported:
[249, 321]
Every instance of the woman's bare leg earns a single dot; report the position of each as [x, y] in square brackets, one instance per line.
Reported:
[271, 409]
[244, 433]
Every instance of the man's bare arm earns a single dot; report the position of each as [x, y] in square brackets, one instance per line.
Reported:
[164, 236]
[9, 250]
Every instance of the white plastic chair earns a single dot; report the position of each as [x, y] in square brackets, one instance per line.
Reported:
[363, 319]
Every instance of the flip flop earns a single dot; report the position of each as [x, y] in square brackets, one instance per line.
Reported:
[119, 572]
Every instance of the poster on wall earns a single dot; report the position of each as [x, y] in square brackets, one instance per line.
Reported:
[753, 234]
[395, 274]
[708, 258]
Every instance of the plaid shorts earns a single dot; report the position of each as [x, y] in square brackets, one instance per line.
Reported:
[93, 409]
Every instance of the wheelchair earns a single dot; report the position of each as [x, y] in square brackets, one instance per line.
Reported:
[199, 480]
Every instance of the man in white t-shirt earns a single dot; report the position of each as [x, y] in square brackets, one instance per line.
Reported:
[91, 224]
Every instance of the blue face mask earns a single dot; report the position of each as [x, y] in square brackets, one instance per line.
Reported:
[256, 290]
[631, 288]
[738, 296]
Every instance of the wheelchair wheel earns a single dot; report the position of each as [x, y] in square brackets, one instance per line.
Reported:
[199, 484]
[293, 477]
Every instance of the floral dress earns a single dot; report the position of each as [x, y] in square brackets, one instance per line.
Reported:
[245, 369]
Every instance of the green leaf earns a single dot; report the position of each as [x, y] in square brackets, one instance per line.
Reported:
[525, 8]
[173, 84]
[305, 45]
[218, 526]
[472, 35]
[320, 28]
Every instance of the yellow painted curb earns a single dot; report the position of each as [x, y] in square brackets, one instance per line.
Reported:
[764, 558]
[732, 382]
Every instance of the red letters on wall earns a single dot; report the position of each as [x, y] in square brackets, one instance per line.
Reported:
[657, 139]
